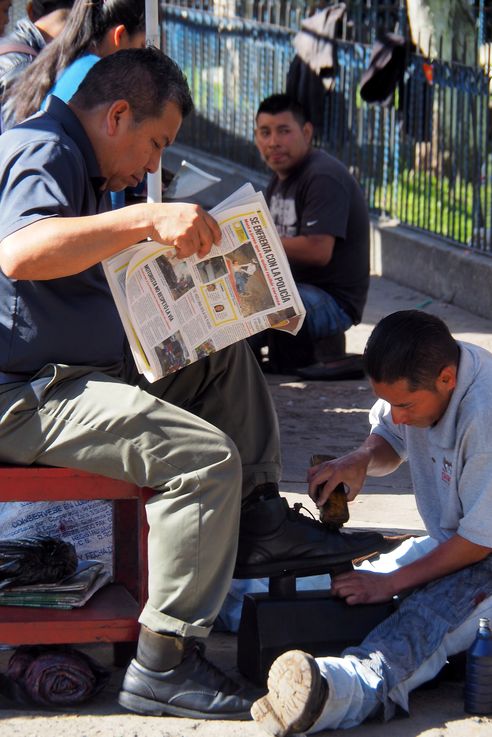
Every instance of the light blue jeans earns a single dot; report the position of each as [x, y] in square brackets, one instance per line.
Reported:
[324, 316]
[410, 647]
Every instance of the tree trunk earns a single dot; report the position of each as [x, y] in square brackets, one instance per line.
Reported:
[449, 20]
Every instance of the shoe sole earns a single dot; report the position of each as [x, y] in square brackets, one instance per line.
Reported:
[148, 707]
[309, 566]
[296, 695]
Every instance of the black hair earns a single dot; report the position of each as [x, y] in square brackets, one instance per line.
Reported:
[282, 103]
[39, 8]
[411, 345]
[146, 78]
[88, 22]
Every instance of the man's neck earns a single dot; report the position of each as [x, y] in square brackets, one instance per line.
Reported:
[52, 24]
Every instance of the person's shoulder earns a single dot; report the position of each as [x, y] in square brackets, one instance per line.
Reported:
[329, 164]
[475, 364]
[319, 168]
[34, 133]
[81, 65]
[67, 83]
[475, 384]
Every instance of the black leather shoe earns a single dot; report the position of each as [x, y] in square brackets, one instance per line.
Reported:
[195, 688]
[275, 538]
[346, 367]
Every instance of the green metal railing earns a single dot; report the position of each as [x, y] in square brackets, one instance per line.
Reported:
[424, 160]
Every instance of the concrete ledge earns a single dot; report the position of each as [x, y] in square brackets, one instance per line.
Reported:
[430, 265]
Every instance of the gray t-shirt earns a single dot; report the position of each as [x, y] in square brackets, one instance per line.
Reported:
[321, 197]
[451, 462]
[48, 169]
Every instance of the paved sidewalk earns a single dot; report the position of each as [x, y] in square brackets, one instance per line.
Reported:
[314, 417]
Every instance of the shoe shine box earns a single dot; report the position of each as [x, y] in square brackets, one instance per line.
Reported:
[313, 621]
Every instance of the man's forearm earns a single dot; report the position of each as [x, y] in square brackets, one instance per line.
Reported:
[366, 587]
[312, 250]
[375, 457]
[450, 556]
[55, 247]
[381, 458]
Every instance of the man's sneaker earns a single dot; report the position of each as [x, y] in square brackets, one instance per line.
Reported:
[297, 693]
[194, 688]
[274, 538]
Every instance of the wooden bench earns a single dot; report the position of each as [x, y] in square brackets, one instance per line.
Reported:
[111, 614]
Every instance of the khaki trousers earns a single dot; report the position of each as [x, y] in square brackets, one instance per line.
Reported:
[201, 438]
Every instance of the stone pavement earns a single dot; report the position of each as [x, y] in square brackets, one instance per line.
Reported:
[315, 417]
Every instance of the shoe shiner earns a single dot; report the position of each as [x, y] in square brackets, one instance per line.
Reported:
[433, 411]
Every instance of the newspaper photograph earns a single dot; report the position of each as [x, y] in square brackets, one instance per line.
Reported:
[176, 311]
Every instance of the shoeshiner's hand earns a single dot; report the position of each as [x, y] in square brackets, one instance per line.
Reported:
[350, 470]
[185, 226]
[363, 587]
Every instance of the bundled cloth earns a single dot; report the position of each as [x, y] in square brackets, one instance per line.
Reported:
[56, 675]
[35, 560]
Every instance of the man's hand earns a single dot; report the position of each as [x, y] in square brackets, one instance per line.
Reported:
[185, 226]
[367, 587]
[350, 470]
[375, 457]
[363, 587]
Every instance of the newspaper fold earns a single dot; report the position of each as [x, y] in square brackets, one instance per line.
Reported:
[176, 311]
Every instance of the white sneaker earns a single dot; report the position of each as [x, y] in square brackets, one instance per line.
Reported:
[297, 693]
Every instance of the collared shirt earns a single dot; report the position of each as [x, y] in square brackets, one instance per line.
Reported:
[48, 168]
[451, 462]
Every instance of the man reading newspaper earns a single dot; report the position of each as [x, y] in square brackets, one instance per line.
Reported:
[178, 310]
[203, 437]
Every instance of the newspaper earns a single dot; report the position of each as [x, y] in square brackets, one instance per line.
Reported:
[176, 311]
[72, 591]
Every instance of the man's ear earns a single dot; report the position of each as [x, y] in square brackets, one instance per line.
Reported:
[447, 377]
[118, 113]
[308, 132]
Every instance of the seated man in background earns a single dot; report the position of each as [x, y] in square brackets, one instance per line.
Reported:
[322, 218]
[434, 406]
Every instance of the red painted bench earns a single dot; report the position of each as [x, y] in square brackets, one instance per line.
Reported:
[111, 614]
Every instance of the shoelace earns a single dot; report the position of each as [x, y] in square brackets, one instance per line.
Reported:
[222, 681]
[295, 514]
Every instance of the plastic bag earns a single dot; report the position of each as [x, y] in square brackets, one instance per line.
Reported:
[35, 560]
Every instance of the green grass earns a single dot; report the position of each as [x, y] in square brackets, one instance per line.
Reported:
[425, 201]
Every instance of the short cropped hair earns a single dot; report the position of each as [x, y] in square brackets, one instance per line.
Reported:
[282, 103]
[146, 78]
[411, 345]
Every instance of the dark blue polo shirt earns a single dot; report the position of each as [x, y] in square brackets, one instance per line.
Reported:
[48, 169]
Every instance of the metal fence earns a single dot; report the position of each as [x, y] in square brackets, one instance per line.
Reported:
[425, 159]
